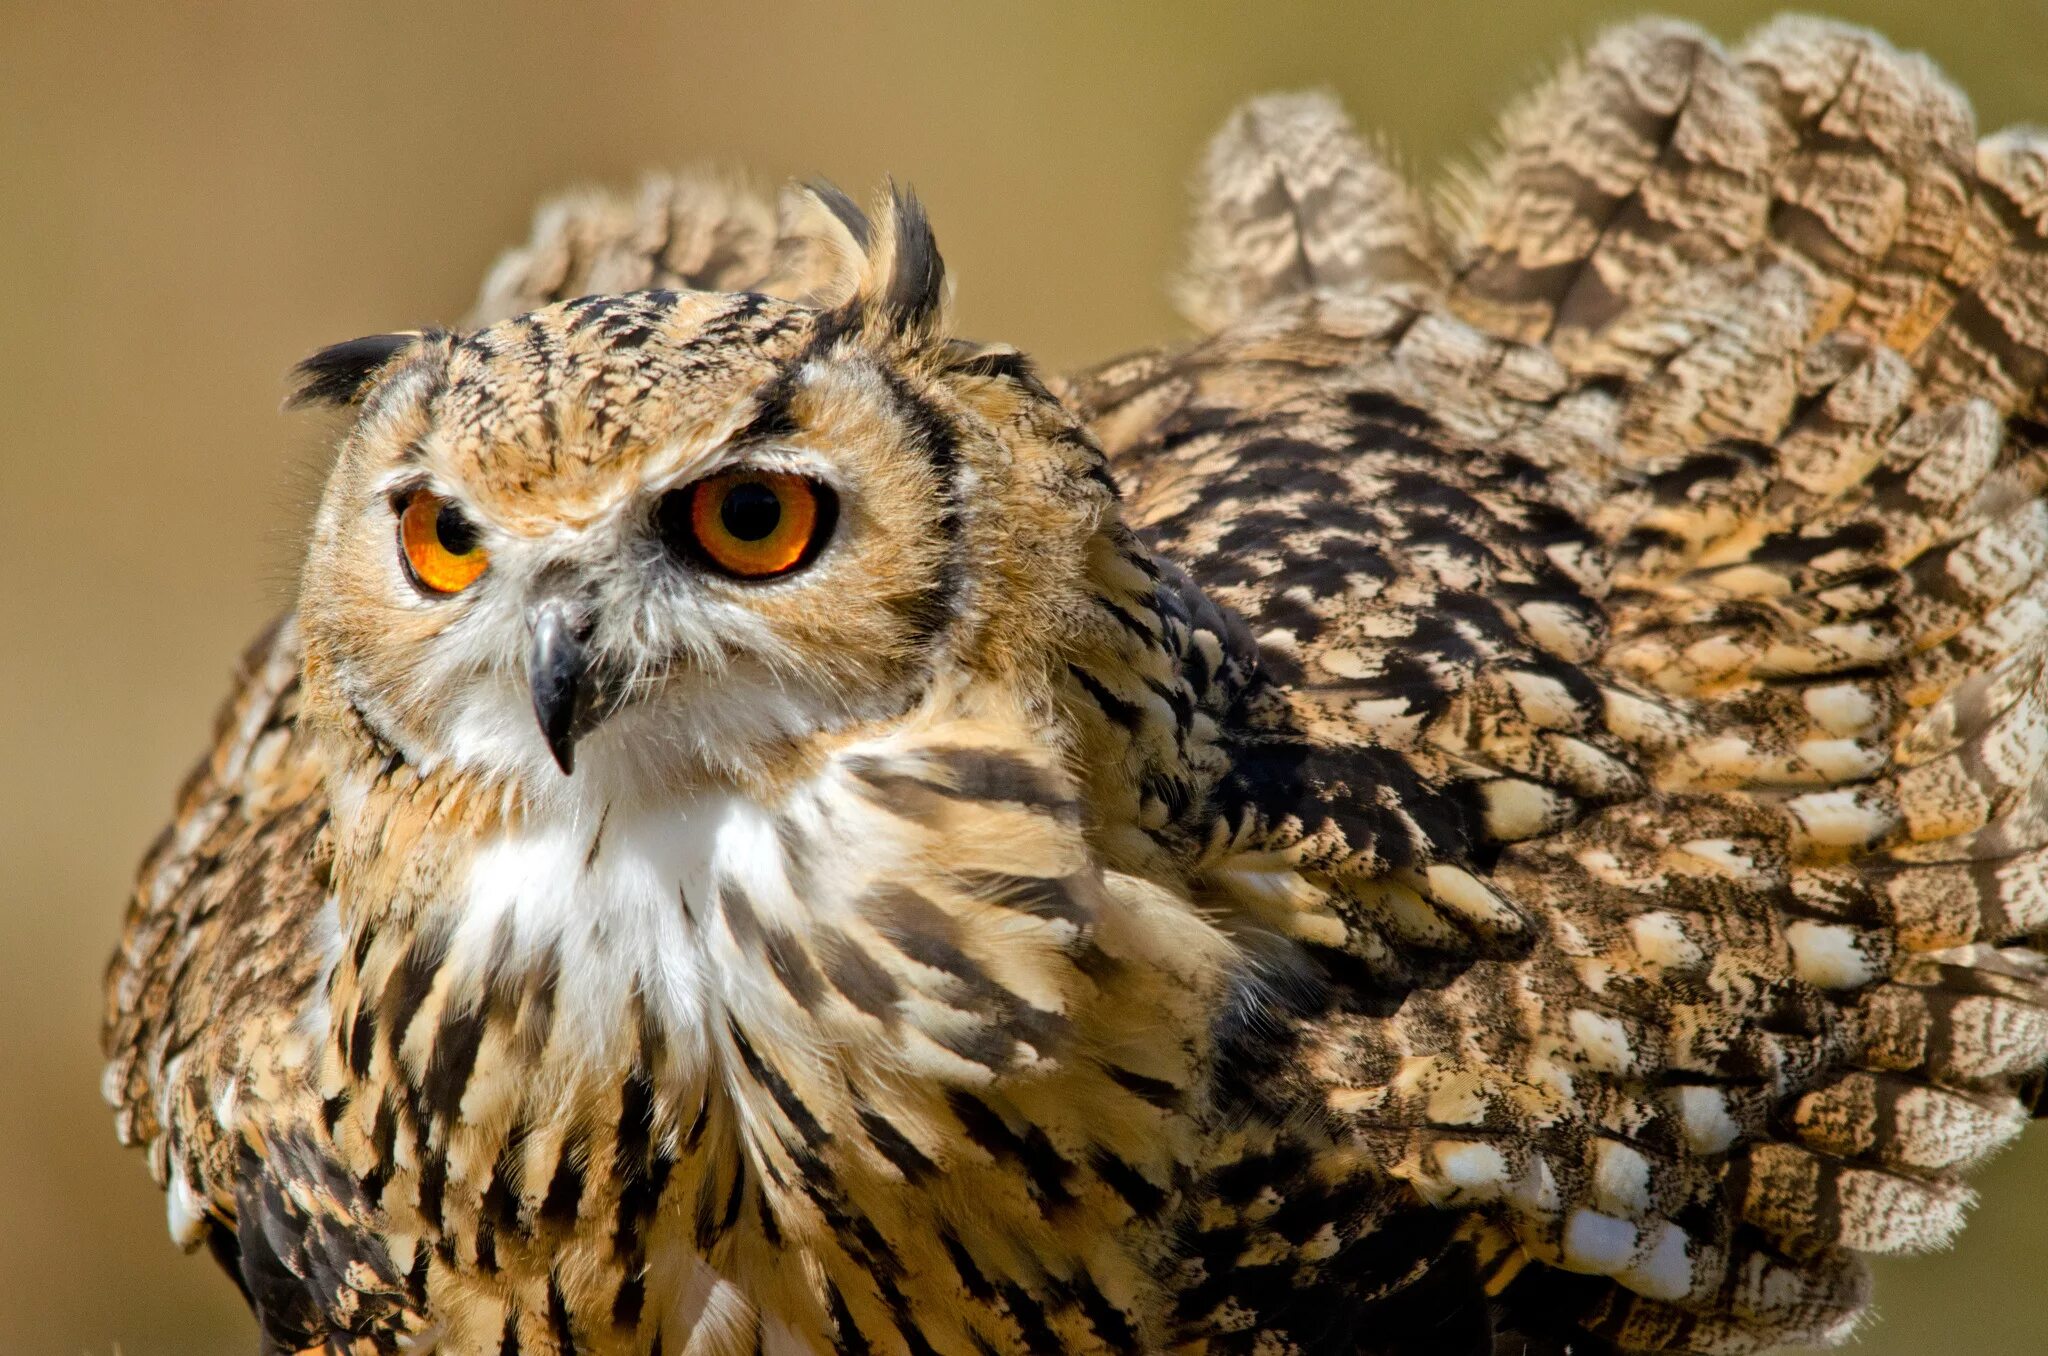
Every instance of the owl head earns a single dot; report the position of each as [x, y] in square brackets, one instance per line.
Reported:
[628, 542]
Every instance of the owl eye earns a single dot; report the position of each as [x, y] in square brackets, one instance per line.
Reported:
[438, 544]
[749, 524]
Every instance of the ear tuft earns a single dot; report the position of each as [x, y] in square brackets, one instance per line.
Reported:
[820, 247]
[845, 209]
[899, 292]
[910, 295]
[877, 274]
[340, 373]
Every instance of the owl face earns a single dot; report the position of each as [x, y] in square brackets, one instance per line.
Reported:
[629, 543]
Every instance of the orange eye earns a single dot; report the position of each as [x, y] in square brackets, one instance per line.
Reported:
[439, 544]
[750, 524]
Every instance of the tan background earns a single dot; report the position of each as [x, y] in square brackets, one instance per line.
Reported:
[193, 196]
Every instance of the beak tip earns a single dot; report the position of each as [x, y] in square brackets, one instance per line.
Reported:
[558, 731]
[565, 757]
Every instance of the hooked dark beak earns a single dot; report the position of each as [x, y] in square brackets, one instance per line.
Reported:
[566, 701]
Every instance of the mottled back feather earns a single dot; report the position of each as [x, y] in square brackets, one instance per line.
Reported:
[1682, 553]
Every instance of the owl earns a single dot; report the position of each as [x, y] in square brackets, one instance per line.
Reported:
[1492, 801]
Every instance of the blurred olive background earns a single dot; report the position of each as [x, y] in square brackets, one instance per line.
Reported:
[192, 196]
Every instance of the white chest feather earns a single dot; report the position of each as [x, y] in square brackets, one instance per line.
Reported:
[627, 908]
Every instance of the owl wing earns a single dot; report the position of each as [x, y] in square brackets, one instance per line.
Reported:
[1640, 702]
[212, 1065]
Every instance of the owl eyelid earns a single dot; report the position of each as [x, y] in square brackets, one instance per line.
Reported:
[399, 495]
[764, 458]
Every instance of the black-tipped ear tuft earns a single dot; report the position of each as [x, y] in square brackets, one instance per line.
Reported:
[916, 289]
[844, 208]
[340, 373]
[880, 274]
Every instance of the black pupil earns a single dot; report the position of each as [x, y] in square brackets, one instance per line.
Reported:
[457, 535]
[749, 511]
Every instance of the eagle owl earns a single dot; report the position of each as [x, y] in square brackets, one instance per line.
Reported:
[1490, 802]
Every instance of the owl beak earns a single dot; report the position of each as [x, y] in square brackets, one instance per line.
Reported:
[558, 672]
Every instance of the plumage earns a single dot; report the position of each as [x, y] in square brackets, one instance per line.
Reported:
[1490, 801]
